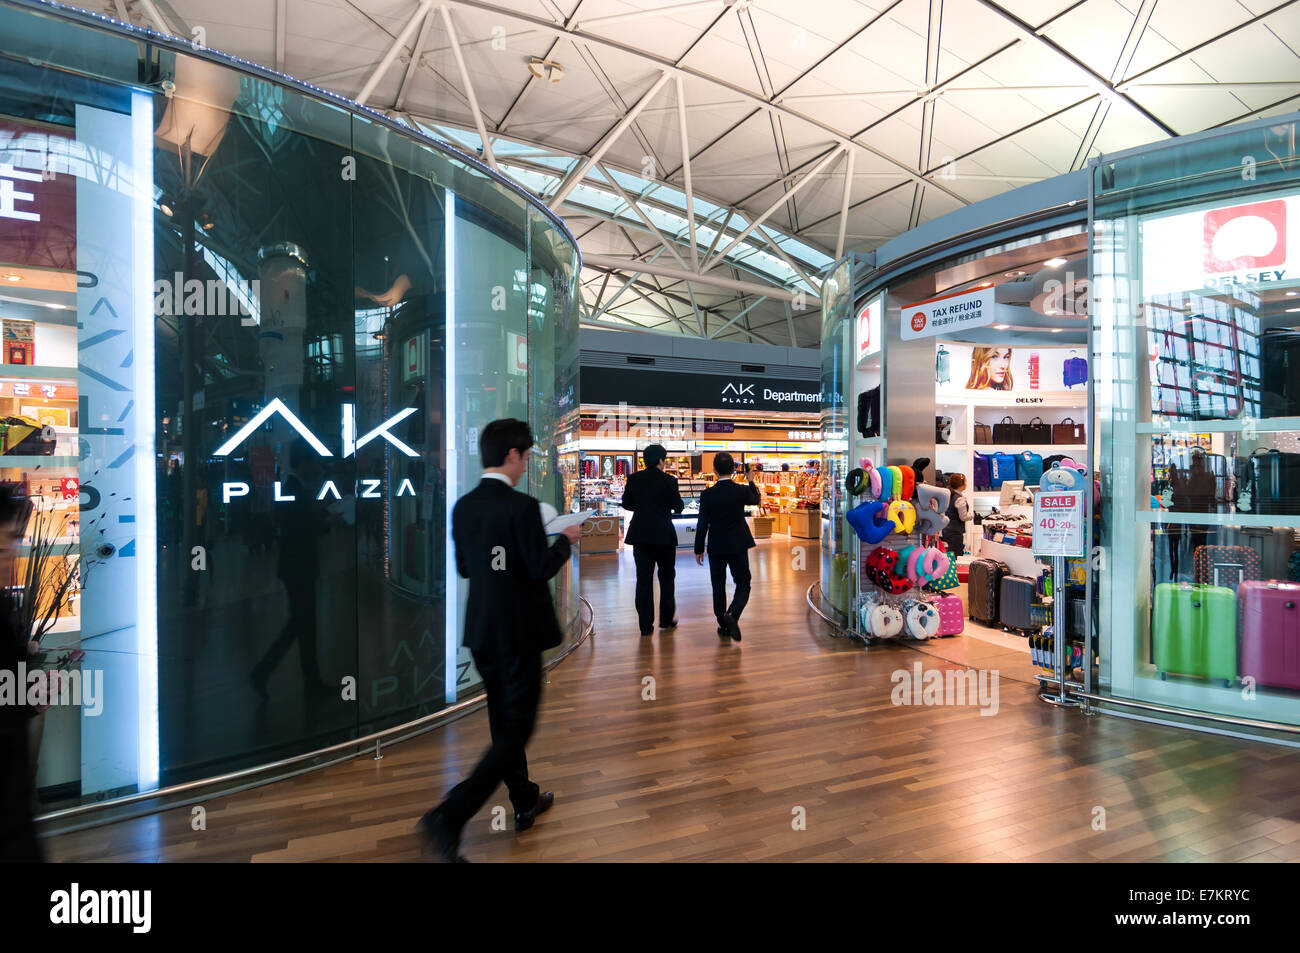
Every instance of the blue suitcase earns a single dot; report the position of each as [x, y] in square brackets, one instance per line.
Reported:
[1029, 467]
[1002, 466]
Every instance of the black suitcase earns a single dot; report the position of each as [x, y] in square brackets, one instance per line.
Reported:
[1274, 482]
[1279, 351]
[1018, 592]
[984, 587]
[1076, 612]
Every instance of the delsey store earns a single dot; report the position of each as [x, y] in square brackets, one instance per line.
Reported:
[248, 419]
[759, 403]
[1125, 340]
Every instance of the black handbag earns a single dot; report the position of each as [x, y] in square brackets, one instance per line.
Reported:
[869, 412]
[1036, 431]
[1007, 431]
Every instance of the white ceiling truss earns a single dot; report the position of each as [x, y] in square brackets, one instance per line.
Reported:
[786, 132]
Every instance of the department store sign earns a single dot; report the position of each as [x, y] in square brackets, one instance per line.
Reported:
[947, 314]
[638, 388]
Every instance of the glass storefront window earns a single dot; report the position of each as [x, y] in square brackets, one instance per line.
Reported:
[250, 337]
[1197, 273]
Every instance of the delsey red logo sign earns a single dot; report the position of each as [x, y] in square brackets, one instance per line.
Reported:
[1245, 237]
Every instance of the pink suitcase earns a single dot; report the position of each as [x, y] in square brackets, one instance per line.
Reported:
[1268, 624]
[952, 617]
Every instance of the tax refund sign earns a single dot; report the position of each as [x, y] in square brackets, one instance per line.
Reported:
[1058, 523]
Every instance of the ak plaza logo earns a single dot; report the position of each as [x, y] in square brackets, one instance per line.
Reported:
[735, 393]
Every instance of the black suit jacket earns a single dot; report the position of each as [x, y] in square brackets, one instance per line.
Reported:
[509, 610]
[653, 498]
[722, 518]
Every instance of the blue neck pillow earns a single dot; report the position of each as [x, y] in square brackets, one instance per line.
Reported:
[869, 521]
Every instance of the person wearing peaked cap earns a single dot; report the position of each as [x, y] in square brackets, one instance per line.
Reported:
[651, 495]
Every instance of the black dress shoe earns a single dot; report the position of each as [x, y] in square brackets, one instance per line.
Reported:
[645, 632]
[722, 634]
[732, 626]
[439, 838]
[668, 625]
[524, 819]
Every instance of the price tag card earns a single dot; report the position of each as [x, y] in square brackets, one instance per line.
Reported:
[1058, 523]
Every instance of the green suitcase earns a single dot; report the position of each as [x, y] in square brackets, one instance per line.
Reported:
[1194, 629]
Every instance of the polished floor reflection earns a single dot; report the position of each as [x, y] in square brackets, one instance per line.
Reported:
[732, 747]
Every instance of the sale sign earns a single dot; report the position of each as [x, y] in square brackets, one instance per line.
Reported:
[1059, 523]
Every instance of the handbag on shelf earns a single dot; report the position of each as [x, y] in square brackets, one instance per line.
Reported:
[983, 433]
[1007, 431]
[1067, 431]
[1036, 431]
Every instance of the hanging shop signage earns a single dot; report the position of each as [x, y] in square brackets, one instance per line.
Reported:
[868, 328]
[516, 353]
[1058, 523]
[1252, 243]
[38, 196]
[646, 388]
[948, 314]
[413, 359]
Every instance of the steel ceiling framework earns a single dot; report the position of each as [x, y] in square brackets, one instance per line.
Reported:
[1118, 73]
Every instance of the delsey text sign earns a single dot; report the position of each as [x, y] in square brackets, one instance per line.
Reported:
[1058, 523]
[947, 314]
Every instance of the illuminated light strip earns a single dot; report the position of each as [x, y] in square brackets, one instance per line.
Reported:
[146, 524]
[451, 635]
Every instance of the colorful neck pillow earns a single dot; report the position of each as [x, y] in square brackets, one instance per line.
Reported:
[932, 508]
[886, 622]
[920, 620]
[903, 515]
[869, 521]
[909, 483]
[881, 567]
[886, 483]
[922, 565]
[896, 482]
[855, 482]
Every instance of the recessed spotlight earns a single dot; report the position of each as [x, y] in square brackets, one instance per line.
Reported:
[1292, 310]
[1057, 330]
[13, 278]
[1000, 327]
[1055, 262]
[1015, 274]
[1292, 294]
[985, 284]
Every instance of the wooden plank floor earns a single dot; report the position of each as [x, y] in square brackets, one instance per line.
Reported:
[739, 737]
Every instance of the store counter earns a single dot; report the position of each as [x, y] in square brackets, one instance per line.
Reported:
[806, 524]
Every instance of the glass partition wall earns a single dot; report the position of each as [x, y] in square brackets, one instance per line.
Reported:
[251, 335]
[1197, 278]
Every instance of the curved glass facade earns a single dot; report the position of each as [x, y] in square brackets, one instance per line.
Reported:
[261, 329]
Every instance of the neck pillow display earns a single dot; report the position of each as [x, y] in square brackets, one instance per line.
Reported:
[903, 515]
[869, 521]
[855, 482]
[932, 508]
[909, 482]
[920, 620]
[873, 475]
[886, 622]
[881, 567]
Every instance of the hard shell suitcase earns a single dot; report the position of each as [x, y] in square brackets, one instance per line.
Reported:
[1002, 466]
[952, 617]
[1017, 595]
[1077, 615]
[1029, 467]
[1075, 371]
[1279, 351]
[1269, 623]
[1194, 631]
[1225, 565]
[981, 468]
[984, 588]
[1275, 482]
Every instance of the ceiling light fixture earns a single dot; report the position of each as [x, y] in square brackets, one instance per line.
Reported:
[1015, 274]
[13, 278]
[1292, 294]
[1057, 330]
[1000, 327]
[545, 69]
[1055, 262]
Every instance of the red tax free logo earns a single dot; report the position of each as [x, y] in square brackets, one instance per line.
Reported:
[918, 321]
[1245, 237]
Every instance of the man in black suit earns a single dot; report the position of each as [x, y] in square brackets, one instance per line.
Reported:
[652, 496]
[722, 526]
[502, 549]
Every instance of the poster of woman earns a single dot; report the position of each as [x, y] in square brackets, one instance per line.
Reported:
[990, 369]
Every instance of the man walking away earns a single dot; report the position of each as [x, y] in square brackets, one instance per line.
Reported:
[722, 529]
[502, 549]
[652, 497]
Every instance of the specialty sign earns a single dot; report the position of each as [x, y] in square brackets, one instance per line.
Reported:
[947, 314]
[1058, 523]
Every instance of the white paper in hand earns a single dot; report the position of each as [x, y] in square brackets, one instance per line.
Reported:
[559, 523]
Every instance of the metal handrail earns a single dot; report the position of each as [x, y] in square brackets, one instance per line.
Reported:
[406, 730]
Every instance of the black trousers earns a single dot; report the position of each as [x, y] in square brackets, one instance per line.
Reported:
[739, 565]
[647, 558]
[300, 628]
[514, 689]
[18, 842]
